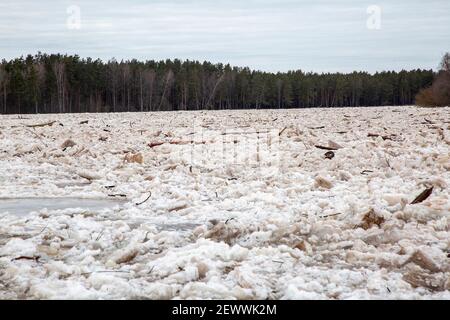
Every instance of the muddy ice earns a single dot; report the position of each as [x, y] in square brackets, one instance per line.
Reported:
[298, 204]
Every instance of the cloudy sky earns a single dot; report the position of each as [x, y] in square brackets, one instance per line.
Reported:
[271, 35]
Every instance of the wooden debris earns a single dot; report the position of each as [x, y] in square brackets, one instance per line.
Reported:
[441, 133]
[323, 183]
[28, 150]
[155, 144]
[329, 155]
[126, 255]
[424, 261]
[41, 124]
[423, 196]
[387, 162]
[244, 132]
[134, 158]
[202, 269]
[68, 144]
[325, 148]
[180, 142]
[84, 122]
[281, 132]
[80, 151]
[117, 195]
[178, 207]
[371, 219]
[222, 232]
[303, 246]
[421, 278]
[331, 215]
[36, 135]
[334, 145]
[139, 203]
[34, 258]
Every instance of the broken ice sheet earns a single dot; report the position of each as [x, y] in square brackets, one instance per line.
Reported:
[248, 216]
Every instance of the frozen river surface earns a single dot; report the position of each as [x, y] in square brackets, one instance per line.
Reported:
[262, 204]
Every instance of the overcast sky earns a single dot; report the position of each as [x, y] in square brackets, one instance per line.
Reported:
[271, 35]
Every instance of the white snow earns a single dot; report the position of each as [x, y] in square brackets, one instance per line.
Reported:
[232, 205]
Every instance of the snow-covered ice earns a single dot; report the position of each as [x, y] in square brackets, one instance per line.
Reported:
[229, 205]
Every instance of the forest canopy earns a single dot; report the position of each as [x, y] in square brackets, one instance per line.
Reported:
[67, 83]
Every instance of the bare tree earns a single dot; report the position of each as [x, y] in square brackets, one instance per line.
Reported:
[59, 71]
[3, 83]
[439, 92]
[213, 92]
[279, 87]
[445, 63]
[167, 83]
[40, 81]
[149, 85]
[114, 78]
[140, 73]
[441, 89]
[126, 74]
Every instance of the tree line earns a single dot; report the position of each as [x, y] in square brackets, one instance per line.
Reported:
[67, 83]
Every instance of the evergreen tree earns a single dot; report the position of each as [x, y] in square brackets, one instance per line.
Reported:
[63, 83]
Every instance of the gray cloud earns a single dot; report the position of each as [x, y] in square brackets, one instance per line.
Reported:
[273, 35]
